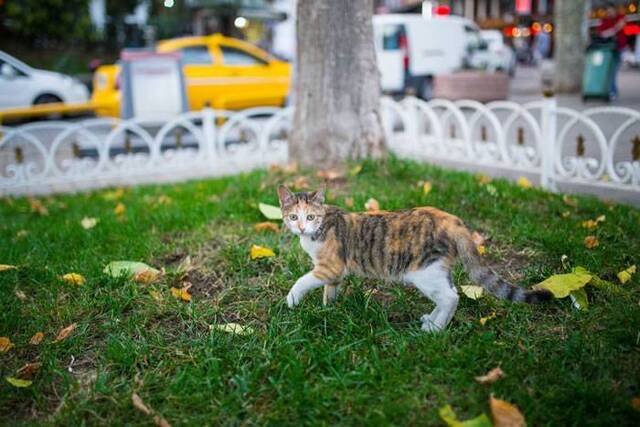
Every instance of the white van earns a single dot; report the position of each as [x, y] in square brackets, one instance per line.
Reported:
[412, 49]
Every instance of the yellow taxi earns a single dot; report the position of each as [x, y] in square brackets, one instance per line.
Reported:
[222, 72]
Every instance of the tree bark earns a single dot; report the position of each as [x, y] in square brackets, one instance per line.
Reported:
[337, 84]
[570, 42]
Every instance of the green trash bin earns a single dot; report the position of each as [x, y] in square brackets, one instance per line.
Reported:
[598, 71]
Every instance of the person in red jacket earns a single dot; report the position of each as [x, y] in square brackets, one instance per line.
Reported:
[611, 28]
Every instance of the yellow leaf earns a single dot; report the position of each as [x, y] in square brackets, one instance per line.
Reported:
[524, 183]
[372, 205]
[472, 291]
[16, 382]
[5, 344]
[88, 223]
[481, 249]
[146, 276]
[427, 187]
[65, 332]
[355, 170]
[182, 294]
[155, 295]
[579, 299]
[113, 195]
[36, 338]
[266, 226]
[21, 295]
[5, 267]
[233, 328]
[38, 207]
[589, 224]
[625, 275]
[591, 242]
[29, 370]
[505, 414]
[330, 174]
[74, 279]
[484, 320]
[569, 201]
[601, 218]
[120, 209]
[566, 214]
[261, 252]
[450, 419]
[483, 179]
[561, 285]
[491, 377]
[270, 212]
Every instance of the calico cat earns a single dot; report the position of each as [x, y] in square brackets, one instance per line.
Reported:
[416, 246]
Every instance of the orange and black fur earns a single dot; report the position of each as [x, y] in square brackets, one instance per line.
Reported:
[416, 246]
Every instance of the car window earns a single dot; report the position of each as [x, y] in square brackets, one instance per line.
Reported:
[196, 55]
[233, 56]
[391, 34]
[473, 37]
[17, 71]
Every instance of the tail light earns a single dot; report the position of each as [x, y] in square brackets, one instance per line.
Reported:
[403, 42]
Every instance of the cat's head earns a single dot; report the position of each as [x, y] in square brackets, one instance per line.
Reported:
[302, 213]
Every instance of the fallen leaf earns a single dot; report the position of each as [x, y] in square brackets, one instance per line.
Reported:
[233, 328]
[569, 201]
[16, 382]
[65, 332]
[21, 234]
[481, 249]
[88, 223]
[579, 299]
[163, 199]
[355, 170]
[301, 183]
[561, 285]
[5, 267]
[348, 202]
[131, 269]
[484, 320]
[38, 207]
[472, 291]
[591, 242]
[266, 226]
[5, 344]
[155, 295]
[182, 294]
[491, 377]
[372, 205]
[36, 339]
[524, 183]
[635, 403]
[427, 187]
[290, 168]
[330, 174]
[113, 195]
[73, 279]
[450, 419]
[21, 295]
[505, 414]
[147, 276]
[593, 223]
[261, 252]
[29, 370]
[625, 275]
[120, 209]
[601, 218]
[566, 214]
[270, 212]
[483, 179]
[139, 404]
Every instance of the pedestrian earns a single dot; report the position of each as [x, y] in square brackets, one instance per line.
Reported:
[611, 28]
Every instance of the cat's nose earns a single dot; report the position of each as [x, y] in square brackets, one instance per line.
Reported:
[301, 227]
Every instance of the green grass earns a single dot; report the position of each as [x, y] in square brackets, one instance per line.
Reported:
[363, 360]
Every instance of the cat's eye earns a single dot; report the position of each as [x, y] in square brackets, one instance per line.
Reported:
[293, 217]
[311, 217]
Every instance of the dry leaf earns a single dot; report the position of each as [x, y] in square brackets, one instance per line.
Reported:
[113, 195]
[16, 382]
[625, 275]
[266, 226]
[593, 223]
[65, 332]
[29, 370]
[569, 201]
[472, 291]
[505, 414]
[290, 168]
[233, 328]
[139, 404]
[182, 294]
[73, 279]
[88, 223]
[301, 183]
[483, 179]
[484, 320]
[491, 377]
[5, 344]
[427, 187]
[36, 338]
[372, 205]
[120, 209]
[330, 174]
[5, 267]
[348, 202]
[524, 183]
[591, 242]
[261, 252]
[635, 403]
[38, 207]
[21, 295]
[147, 276]
[481, 249]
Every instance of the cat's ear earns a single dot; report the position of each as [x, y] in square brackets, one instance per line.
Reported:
[317, 197]
[285, 195]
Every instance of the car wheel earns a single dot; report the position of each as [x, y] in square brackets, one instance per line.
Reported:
[46, 98]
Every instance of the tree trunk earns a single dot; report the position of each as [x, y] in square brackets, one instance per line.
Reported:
[570, 41]
[337, 84]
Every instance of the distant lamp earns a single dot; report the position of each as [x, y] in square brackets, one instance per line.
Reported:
[240, 22]
[169, 3]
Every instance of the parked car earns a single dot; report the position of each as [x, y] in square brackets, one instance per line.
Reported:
[411, 49]
[222, 72]
[497, 56]
[24, 86]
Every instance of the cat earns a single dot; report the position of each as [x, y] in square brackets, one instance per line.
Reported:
[415, 246]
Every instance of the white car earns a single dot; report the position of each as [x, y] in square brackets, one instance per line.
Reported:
[497, 55]
[23, 86]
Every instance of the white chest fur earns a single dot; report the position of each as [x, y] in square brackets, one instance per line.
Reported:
[311, 247]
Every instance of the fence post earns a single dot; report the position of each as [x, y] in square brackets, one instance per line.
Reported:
[209, 131]
[548, 146]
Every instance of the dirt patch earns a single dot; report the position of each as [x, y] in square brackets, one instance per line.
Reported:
[204, 285]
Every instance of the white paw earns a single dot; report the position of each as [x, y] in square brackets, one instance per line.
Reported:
[292, 300]
[430, 326]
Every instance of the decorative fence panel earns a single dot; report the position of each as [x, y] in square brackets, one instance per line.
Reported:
[596, 149]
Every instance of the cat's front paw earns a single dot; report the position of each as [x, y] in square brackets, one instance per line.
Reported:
[429, 326]
[292, 300]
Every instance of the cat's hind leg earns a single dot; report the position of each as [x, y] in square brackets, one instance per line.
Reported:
[434, 281]
[330, 293]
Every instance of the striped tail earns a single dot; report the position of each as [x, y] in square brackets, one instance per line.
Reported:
[491, 281]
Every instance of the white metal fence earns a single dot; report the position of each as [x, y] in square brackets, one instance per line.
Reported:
[596, 149]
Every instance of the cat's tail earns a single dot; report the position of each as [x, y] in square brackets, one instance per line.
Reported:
[491, 281]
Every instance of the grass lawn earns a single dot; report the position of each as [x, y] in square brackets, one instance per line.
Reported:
[363, 360]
